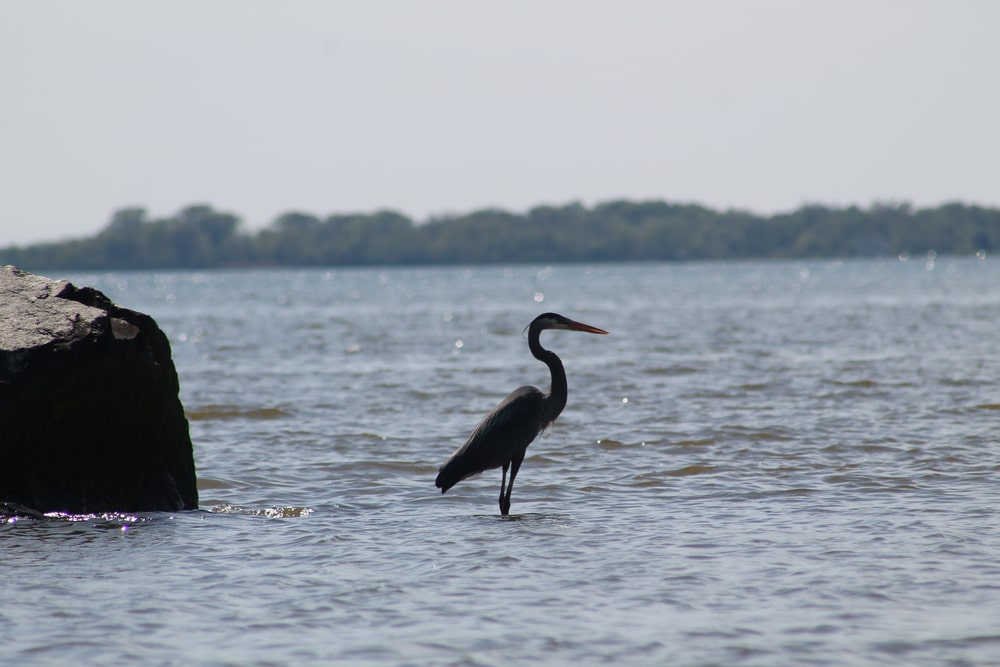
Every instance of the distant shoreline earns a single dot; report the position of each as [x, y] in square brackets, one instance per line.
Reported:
[200, 237]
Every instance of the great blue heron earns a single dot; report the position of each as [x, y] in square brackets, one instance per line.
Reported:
[502, 437]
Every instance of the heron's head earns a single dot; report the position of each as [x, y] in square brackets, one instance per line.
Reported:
[557, 321]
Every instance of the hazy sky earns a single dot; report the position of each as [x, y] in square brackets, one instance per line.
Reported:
[260, 107]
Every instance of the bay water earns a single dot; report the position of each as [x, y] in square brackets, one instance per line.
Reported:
[765, 463]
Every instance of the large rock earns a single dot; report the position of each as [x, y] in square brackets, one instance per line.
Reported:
[90, 418]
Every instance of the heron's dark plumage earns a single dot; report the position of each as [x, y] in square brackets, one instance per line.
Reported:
[503, 435]
[508, 428]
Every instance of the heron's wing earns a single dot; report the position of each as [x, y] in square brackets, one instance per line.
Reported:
[508, 428]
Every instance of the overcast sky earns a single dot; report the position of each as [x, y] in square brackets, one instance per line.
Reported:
[261, 107]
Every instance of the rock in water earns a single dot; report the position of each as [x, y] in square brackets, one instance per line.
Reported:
[90, 417]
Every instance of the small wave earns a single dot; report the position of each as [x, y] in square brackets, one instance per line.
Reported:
[267, 512]
[205, 483]
[12, 515]
[101, 519]
[657, 478]
[671, 370]
[380, 466]
[690, 470]
[697, 442]
[873, 483]
[754, 386]
[758, 434]
[964, 382]
[611, 443]
[862, 384]
[215, 412]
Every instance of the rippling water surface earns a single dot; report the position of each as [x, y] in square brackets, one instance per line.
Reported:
[764, 464]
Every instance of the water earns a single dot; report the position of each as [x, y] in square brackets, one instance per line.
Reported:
[764, 464]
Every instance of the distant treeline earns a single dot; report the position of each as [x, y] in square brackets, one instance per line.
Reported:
[202, 237]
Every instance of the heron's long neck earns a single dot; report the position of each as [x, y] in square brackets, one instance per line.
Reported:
[556, 399]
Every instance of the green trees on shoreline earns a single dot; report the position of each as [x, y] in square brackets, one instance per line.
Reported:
[202, 237]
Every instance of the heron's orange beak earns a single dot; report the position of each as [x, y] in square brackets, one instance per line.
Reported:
[580, 326]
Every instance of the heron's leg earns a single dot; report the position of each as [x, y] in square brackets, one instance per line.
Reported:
[515, 465]
[503, 485]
